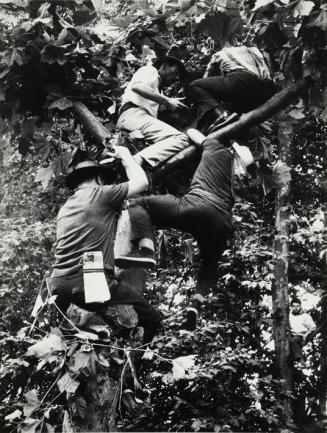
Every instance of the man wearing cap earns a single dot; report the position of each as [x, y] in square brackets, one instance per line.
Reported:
[86, 223]
[236, 77]
[302, 326]
[139, 111]
[205, 211]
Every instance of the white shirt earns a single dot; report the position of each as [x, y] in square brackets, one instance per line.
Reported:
[240, 58]
[301, 323]
[149, 76]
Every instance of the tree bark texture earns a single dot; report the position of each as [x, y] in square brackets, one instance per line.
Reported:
[91, 123]
[323, 356]
[280, 297]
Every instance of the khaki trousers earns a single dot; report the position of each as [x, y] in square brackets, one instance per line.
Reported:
[164, 141]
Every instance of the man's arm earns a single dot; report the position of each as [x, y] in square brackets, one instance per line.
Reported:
[310, 325]
[148, 93]
[137, 180]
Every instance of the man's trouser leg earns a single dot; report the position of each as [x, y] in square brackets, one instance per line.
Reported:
[211, 246]
[141, 224]
[209, 94]
[170, 211]
[164, 140]
[296, 342]
[164, 211]
[243, 90]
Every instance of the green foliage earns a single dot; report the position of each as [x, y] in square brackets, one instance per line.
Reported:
[218, 378]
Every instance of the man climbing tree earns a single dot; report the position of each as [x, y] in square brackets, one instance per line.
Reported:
[87, 223]
[237, 78]
[204, 211]
[139, 110]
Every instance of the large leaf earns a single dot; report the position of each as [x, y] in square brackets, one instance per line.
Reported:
[224, 24]
[67, 425]
[99, 5]
[46, 347]
[16, 3]
[68, 384]
[13, 415]
[261, 3]
[302, 8]
[30, 425]
[181, 364]
[84, 361]
[319, 19]
[281, 174]
[44, 175]
[32, 404]
[28, 25]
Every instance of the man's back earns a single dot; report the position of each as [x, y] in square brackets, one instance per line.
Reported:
[87, 222]
[241, 58]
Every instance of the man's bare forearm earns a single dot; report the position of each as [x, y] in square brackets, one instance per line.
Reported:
[138, 181]
[148, 93]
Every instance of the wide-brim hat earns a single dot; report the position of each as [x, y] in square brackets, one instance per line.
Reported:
[84, 168]
[172, 59]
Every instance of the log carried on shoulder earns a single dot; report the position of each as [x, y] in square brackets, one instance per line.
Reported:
[275, 104]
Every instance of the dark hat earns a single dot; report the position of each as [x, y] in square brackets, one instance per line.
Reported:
[172, 60]
[81, 170]
[81, 165]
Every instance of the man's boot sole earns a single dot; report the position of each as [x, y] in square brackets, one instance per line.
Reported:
[137, 262]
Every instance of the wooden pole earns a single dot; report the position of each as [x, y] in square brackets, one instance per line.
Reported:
[91, 123]
[275, 104]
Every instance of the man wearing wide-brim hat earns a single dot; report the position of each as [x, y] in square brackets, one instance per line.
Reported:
[139, 110]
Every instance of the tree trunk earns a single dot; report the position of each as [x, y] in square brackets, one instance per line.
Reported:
[323, 356]
[275, 104]
[283, 365]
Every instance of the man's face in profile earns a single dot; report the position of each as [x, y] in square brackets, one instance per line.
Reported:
[170, 74]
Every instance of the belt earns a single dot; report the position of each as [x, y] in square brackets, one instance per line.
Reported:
[126, 107]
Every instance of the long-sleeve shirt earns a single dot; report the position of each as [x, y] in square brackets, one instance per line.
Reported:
[239, 58]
